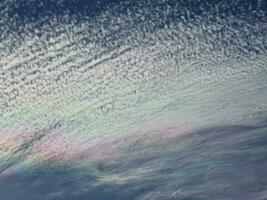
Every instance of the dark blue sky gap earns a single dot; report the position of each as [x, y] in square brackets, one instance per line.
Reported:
[30, 11]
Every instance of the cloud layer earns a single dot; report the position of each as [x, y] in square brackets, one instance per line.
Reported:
[133, 100]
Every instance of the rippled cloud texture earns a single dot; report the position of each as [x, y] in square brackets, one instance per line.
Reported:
[149, 100]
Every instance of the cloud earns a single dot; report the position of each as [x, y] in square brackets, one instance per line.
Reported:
[217, 162]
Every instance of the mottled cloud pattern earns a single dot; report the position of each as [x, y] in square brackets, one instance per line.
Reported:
[149, 100]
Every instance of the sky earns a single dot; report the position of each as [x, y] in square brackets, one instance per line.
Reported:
[129, 100]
